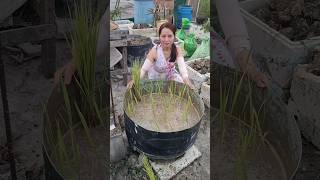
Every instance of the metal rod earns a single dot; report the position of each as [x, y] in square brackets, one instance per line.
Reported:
[7, 118]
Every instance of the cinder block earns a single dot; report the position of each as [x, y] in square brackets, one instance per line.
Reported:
[195, 76]
[205, 93]
[167, 169]
[305, 102]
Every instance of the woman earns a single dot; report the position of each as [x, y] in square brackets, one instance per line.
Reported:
[161, 59]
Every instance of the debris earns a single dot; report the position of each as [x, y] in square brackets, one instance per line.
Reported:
[30, 50]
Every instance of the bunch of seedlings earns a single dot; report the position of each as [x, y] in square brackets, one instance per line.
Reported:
[240, 115]
[160, 105]
[75, 132]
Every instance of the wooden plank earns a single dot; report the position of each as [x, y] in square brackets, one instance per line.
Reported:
[118, 43]
[125, 65]
[118, 34]
[27, 34]
[48, 60]
[7, 7]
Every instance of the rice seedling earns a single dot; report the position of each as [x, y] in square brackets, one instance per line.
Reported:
[85, 126]
[236, 93]
[241, 164]
[187, 108]
[83, 45]
[147, 168]
[136, 79]
[224, 97]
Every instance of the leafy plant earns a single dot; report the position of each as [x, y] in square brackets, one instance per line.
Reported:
[155, 12]
[206, 26]
[148, 169]
[116, 13]
[77, 113]
[83, 44]
[136, 88]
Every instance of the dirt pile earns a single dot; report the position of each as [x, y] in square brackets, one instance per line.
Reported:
[298, 19]
[202, 66]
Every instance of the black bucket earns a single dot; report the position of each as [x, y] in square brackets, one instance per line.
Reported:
[163, 145]
[139, 52]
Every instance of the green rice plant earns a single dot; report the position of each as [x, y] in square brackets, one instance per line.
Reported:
[135, 71]
[68, 108]
[224, 97]
[147, 168]
[129, 102]
[83, 45]
[85, 126]
[241, 164]
[235, 97]
[154, 107]
[116, 13]
[187, 108]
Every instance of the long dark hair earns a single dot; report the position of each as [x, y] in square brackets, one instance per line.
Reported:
[174, 52]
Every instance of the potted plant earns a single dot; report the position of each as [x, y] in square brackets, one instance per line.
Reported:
[149, 30]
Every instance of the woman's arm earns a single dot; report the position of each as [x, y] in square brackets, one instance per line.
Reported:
[233, 25]
[148, 63]
[183, 68]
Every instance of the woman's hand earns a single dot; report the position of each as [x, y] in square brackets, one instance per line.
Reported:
[188, 83]
[244, 58]
[130, 84]
[66, 72]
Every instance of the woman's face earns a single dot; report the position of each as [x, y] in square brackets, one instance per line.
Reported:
[166, 37]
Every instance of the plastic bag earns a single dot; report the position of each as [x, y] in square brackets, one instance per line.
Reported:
[181, 34]
[185, 23]
[190, 45]
[202, 51]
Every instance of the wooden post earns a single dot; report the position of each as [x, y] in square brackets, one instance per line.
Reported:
[48, 63]
[7, 118]
[125, 65]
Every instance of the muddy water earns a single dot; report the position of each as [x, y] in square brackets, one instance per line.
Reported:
[263, 162]
[90, 162]
[165, 113]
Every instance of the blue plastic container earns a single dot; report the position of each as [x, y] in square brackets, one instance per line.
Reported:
[141, 14]
[183, 12]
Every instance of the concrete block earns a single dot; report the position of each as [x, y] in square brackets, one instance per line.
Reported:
[195, 76]
[305, 102]
[168, 169]
[282, 54]
[205, 93]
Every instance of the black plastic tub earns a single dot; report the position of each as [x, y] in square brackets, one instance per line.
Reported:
[163, 145]
[139, 52]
